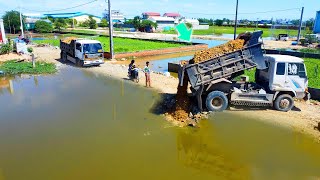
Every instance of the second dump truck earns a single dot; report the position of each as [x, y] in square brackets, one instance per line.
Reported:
[279, 79]
[82, 52]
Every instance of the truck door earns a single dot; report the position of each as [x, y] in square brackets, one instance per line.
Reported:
[78, 52]
[279, 78]
[296, 77]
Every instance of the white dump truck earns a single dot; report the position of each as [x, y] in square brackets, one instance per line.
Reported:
[82, 52]
[279, 79]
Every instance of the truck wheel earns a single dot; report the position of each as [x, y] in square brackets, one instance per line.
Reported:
[283, 103]
[79, 63]
[217, 101]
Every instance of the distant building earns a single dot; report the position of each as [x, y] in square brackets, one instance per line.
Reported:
[163, 22]
[148, 15]
[116, 16]
[195, 24]
[79, 16]
[30, 22]
[316, 28]
[173, 15]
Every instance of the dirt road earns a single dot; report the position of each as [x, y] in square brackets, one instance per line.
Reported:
[304, 118]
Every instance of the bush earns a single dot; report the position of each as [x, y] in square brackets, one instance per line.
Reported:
[60, 23]
[43, 27]
[30, 49]
[5, 49]
[104, 23]
[92, 23]
[189, 25]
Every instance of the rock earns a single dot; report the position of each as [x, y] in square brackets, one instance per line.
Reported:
[167, 74]
[56, 47]
[123, 65]
[123, 59]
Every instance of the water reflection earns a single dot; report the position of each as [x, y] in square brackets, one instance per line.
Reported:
[80, 125]
[6, 84]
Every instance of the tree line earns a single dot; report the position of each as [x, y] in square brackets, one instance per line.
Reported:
[11, 21]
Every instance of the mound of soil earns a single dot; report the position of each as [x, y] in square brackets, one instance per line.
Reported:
[217, 51]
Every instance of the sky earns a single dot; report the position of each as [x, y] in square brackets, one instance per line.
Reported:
[188, 8]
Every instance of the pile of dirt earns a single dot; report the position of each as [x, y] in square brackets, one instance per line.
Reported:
[68, 39]
[217, 51]
[182, 106]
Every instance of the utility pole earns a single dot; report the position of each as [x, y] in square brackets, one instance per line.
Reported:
[236, 21]
[110, 30]
[21, 25]
[300, 25]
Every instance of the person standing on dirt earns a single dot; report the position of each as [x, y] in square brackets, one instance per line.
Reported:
[147, 73]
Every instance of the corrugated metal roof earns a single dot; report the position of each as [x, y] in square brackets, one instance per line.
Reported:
[69, 15]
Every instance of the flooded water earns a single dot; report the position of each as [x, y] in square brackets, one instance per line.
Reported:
[77, 125]
[160, 63]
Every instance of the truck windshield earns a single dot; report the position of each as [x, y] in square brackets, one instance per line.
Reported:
[92, 48]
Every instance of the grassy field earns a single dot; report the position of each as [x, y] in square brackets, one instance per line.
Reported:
[313, 71]
[219, 30]
[120, 44]
[12, 67]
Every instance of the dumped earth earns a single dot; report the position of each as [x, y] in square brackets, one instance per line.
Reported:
[184, 110]
[219, 50]
[69, 39]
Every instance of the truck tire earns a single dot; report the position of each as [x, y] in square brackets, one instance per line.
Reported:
[79, 63]
[283, 103]
[217, 101]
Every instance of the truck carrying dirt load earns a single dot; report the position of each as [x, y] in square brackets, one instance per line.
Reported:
[279, 78]
[81, 52]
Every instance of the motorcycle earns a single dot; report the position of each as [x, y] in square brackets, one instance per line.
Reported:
[134, 75]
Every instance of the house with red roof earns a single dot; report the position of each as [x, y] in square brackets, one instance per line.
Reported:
[172, 15]
[148, 15]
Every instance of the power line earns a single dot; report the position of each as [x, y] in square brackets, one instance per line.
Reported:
[261, 12]
[63, 8]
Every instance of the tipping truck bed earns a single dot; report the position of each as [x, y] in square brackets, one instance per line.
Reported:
[219, 71]
[226, 66]
[69, 48]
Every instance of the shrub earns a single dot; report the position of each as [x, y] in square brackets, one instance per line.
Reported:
[5, 49]
[30, 49]
[189, 25]
[43, 27]
[103, 23]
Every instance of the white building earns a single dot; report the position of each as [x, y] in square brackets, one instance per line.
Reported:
[195, 24]
[163, 22]
[79, 16]
[116, 16]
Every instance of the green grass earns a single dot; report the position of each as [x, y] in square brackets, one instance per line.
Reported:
[133, 45]
[310, 50]
[121, 45]
[313, 71]
[219, 30]
[12, 67]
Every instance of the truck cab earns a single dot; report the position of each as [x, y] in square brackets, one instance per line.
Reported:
[286, 74]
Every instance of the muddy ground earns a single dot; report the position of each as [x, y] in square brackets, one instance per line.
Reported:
[305, 117]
